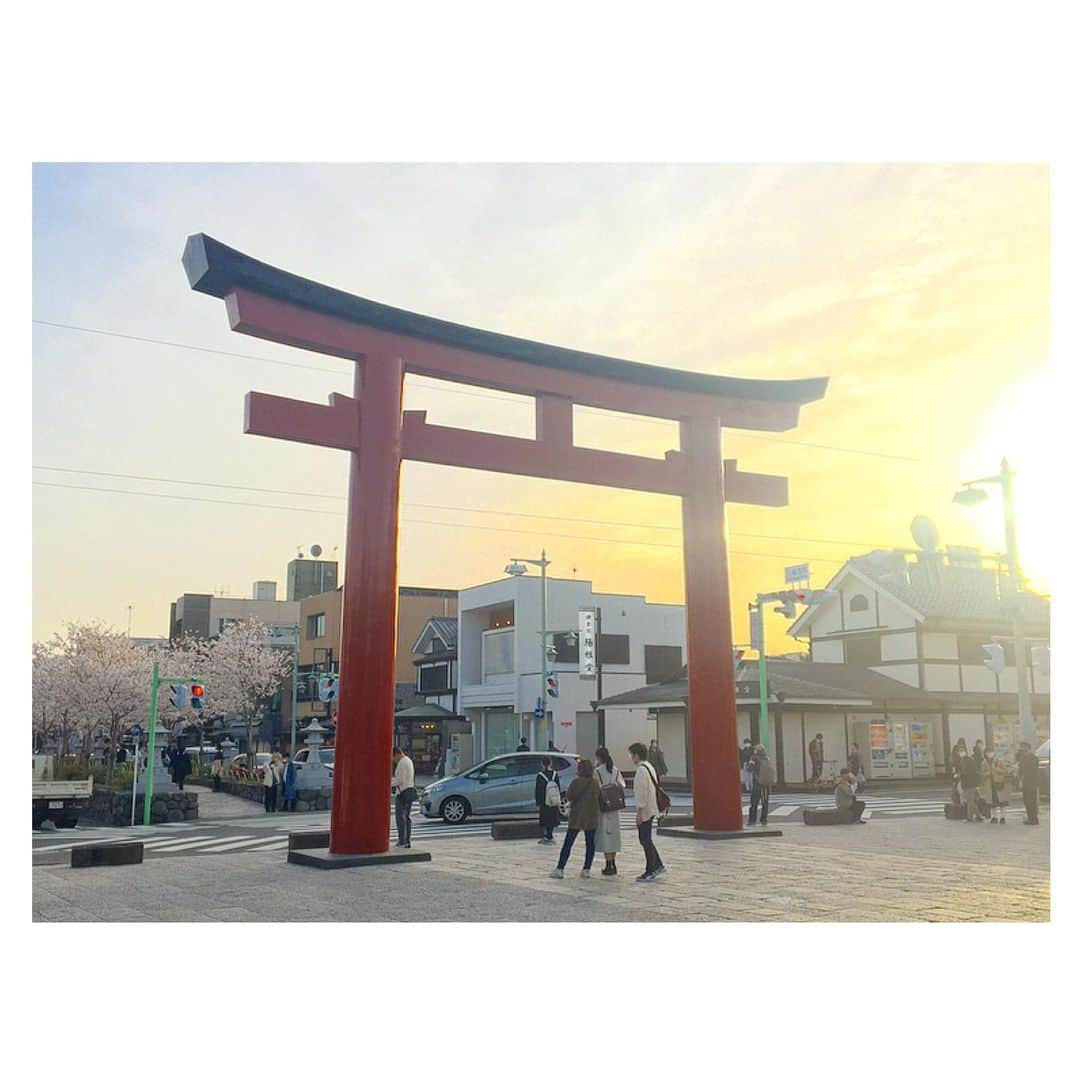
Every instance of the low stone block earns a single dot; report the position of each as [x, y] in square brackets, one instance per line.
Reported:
[316, 838]
[516, 830]
[322, 859]
[107, 854]
[690, 833]
[827, 817]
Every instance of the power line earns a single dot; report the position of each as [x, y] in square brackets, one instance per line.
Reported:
[410, 521]
[521, 399]
[452, 509]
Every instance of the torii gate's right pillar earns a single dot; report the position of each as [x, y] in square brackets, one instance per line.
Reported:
[714, 737]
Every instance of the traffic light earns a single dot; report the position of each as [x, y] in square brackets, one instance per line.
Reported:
[996, 654]
[178, 695]
[198, 693]
[553, 685]
[786, 608]
[813, 596]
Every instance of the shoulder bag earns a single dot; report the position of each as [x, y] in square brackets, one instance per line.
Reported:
[663, 800]
[612, 797]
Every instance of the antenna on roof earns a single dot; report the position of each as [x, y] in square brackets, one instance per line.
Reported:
[924, 532]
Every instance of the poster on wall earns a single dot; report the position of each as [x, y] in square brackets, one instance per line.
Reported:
[879, 750]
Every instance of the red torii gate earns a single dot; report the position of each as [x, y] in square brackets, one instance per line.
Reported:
[387, 342]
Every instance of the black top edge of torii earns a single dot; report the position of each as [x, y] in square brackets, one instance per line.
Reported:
[216, 269]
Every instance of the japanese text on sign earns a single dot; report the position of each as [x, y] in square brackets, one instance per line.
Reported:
[587, 643]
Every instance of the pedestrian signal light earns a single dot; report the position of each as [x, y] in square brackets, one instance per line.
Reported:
[787, 609]
[1040, 657]
[996, 654]
[178, 695]
[328, 688]
[553, 685]
[198, 693]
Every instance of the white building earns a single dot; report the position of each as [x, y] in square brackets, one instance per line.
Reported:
[499, 664]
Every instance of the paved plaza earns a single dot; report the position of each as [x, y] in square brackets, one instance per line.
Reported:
[917, 868]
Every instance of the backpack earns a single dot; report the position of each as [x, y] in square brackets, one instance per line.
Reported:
[552, 794]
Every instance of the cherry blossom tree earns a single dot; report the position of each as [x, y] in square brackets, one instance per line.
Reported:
[104, 680]
[53, 713]
[241, 671]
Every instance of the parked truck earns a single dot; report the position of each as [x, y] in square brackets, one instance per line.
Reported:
[58, 801]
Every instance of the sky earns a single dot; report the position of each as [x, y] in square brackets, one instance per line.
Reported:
[921, 291]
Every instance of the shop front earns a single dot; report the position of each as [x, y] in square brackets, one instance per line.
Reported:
[424, 733]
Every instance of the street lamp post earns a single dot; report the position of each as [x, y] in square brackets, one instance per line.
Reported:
[518, 568]
[971, 494]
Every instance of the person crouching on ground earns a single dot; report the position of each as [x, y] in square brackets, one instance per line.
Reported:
[404, 789]
[549, 815]
[970, 779]
[609, 835]
[764, 778]
[645, 785]
[846, 802]
[583, 794]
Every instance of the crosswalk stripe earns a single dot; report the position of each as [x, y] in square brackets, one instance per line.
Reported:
[234, 842]
[170, 843]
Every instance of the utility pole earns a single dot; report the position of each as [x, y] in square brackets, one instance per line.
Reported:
[969, 495]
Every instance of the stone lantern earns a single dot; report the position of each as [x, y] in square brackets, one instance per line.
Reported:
[314, 775]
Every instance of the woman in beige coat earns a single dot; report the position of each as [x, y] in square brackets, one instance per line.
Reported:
[609, 833]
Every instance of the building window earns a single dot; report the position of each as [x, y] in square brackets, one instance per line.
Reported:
[434, 677]
[662, 662]
[437, 645]
[858, 603]
[501, 617]
[316, 625]
[862, 651]
[565, 653]
[498, 653]
[614, 649]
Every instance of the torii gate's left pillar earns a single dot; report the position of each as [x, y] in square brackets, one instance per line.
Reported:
[360, 812]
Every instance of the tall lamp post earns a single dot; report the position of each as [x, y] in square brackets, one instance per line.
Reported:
[971, 494]
[518, 568]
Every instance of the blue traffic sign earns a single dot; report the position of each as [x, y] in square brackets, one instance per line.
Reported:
[538, 712]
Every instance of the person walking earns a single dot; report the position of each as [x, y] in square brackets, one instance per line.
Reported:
[646, 783]
[999, 790]
[612, 786]
[216, 767]
[1027, 765]
[817, 756]
[764, 778]
[846, 803]
[181, 766]
[404, 788]
[549, 811]
[523, 746]
[746, 761]
[656, 759]
[288, 782]
[270, 785]
[583, 794]
[970, 778]
[986, 794]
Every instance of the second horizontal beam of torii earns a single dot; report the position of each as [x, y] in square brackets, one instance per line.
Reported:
[551, 454]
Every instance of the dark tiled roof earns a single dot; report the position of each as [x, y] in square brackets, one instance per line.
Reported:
[446, 627]
[796, 680]
[216, 270]
[936, 589]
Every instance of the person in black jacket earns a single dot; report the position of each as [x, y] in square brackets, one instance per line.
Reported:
[549, 815]
[1027, 765]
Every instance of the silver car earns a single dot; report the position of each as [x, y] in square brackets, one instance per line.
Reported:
[501, 786]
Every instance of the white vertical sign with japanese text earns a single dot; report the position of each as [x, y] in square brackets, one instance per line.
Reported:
[587, 643]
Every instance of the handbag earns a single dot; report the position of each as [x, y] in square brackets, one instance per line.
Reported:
[612, 797]
[663, 800]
